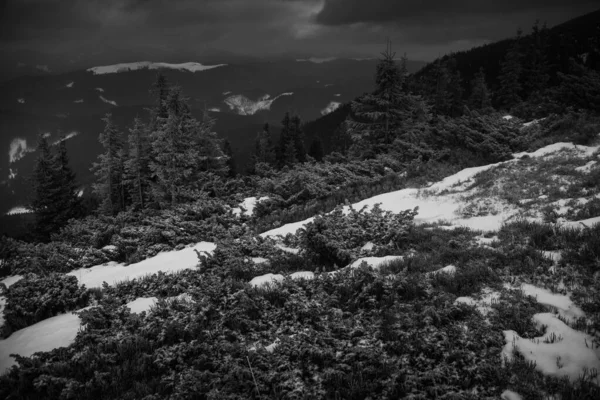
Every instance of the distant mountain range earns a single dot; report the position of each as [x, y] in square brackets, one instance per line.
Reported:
[242, 97]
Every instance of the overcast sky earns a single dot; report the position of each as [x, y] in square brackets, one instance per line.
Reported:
[68, 31]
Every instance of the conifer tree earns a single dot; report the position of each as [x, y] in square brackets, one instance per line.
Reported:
[316, 149]
[175, 154]
[537, 68]
[69, 203]
[213, 161]
[231, 165]
[509, 92]
[137, 164]
[109, 184]
[480, 95]
[264, 151]
[376, 117]
[46, 190]
[297, 137]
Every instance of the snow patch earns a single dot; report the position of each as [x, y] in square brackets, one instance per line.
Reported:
[226, 93]
[214, 109]
[11, 280]
[247, 206]
[337, 94]
[78, 101]
[21, 100]
[104, 99]
[484, 305]
[450, 269]
[18, 149]
[70, 84]
[19, 210]
[259, 260]
[507, 117]
[170, 261]
[510, 395]
[126, 67]
[303, 275]
[66, 137]
[266, 279]
[331, 107]
[12, 174]
[142, 304]
[563, 304]
[43, 68]
[568, 356]
[100, 89]
[587, 168]
[244, 106]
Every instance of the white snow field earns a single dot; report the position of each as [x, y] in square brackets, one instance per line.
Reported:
[443, 200]
[125, 67]
[169, 261]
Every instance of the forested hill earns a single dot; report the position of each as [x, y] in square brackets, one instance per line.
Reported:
[575, 38]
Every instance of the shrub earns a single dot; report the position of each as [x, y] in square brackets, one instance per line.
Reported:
[335, 238]
[36, 298]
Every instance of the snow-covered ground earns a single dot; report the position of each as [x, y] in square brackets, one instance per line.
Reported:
[169, 261]
[107, 101]
[18, 210]
[125, 67]
[443, 201]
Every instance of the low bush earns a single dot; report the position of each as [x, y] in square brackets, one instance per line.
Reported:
[35, 298]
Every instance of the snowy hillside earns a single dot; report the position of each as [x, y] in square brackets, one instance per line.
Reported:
[126, 67]
[477, 216]
[244, 106]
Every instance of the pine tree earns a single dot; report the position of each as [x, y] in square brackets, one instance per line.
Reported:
[283, 148]
[175, 152]
[160, 89]
[69, 203]
[137, 165]
[509, 92]
[316, 149]
[109, 184]
[231, 165]
[46, 190]
[297, 137]
[264, 151]
[377, 117]
[480, 94]
[537, 68]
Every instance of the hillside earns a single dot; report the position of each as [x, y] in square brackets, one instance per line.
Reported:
[489, 289]
[76, 101]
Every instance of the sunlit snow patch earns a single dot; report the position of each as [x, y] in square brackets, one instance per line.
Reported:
[587, 168]
[11, 280]
[563, 304]
[507, 117]
[111, 102]
[125, 67]
[21, 100]
[17, 149]
[100, 89]
[141, 304]
[66, 137]
[337, 95]
[170, 261]
[70, 84]
[214, 109]
[567, 352]
[331, 107]
[484, 305]
[78, 101]
[510, 395]
[244, 106]
[18, 210]
[266, 279]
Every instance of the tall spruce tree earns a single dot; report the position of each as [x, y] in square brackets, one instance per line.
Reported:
[174, 150]
[376, 118]
[69, 203]
[46, 190]
[316, 149]
[109, 170]
[137, 165]
[537, 66]
[480, 98]
[231, 165]
[509, 92]
[264, 150]
[297, 137]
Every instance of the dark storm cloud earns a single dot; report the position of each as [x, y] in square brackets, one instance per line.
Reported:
[342, 12]
[102, 31]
